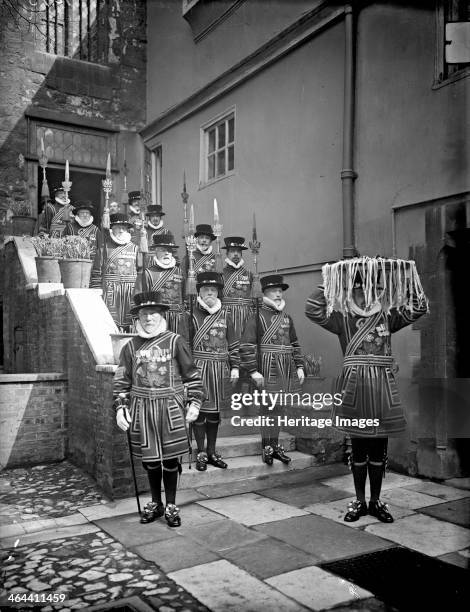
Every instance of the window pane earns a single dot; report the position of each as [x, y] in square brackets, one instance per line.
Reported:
[230, 163]
[221, 130]
[231, 129]
[211, 166]
[211, 140]
[220, 163]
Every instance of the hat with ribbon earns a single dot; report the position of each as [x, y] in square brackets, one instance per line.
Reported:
[204, 229]
[119, 218]
[134, 196]
[148, 299]
[209, 279]
[154, 209]
[83, 205]
[235, 242]
[163, 241]
[273, 280]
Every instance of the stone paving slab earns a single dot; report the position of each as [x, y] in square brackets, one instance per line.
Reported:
[443, 492]
[47, 535]
[304, 495]
[196, 514]
[231, 589]
[407, 498]
[221, 535]
[459, 483]
[45, 491]
[460, 558]
[323, 538]
[457, 512]
[130, 532]
[251, 509]
[268, 557]
[391, 481]
[316, 589]
[268, 481]
[90, 569]
[336, 510]
[424, 534]
[175, 554]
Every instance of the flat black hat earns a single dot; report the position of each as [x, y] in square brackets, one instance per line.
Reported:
[204, 229]
[116, 218]
[209, 279]
[163, 240]
[235, 242]
[83, 205]
[273, 280]
[146, 299]
[154, 209]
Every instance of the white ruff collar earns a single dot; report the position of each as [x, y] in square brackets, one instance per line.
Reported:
[160, 264]
[357, 310]
[82, 224]
[155, 227]
[126, 238]
[206, 252]
[273, 304]
[161, 327]
[237, 266]
[214, 309]
[134, 210]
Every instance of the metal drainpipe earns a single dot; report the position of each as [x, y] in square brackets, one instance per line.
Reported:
[348, 175]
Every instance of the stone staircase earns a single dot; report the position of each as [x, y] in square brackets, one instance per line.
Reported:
[242, 453]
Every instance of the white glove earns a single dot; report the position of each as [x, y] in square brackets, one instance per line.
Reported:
[192, 413]
[234, 375]
[123, 419]
[258, 379]
[301, 375]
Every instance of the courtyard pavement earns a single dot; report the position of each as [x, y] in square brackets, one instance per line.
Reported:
[244, 546]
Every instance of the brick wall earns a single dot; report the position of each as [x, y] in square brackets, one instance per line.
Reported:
[32, 419]
[93, 93]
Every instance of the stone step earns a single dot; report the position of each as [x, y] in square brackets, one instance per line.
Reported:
[241, 468]
[241, 446]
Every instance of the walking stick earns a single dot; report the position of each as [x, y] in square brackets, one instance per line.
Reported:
[133, 471]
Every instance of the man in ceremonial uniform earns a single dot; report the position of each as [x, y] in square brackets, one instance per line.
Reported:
[155, 222]
[135, 215]
[270, 352]
[164, 275]
[149, 399]
[115, 270]
[204, 258]
[82, 224]
[367, 383]
[215, 352]
[236, 294]
[54, 212]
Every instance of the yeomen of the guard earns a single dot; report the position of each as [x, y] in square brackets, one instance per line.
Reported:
[149, 398]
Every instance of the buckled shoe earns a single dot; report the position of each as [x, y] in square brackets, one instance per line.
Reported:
[152, 511]
[172, 515]
[268, 455]
[279, 454]
[356, 509]
[380, 511]
[216, 460]
[201, 462]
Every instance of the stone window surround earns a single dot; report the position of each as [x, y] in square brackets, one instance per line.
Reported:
[440, 77]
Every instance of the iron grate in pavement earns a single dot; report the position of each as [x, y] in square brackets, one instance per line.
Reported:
[406, 579]
[128, 604]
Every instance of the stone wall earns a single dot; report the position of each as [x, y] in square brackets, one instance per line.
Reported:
[32, 419]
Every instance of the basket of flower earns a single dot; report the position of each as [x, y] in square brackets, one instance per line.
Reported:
[75, 262]
[22, 221]
[47, 260]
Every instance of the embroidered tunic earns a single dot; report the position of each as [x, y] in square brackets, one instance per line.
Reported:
[280, 350]
[115, 270]
[54, 219]
[367, 381]
[169, 282]
[152, 374]
[237, 296]
[91, 233]
[215, 352]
